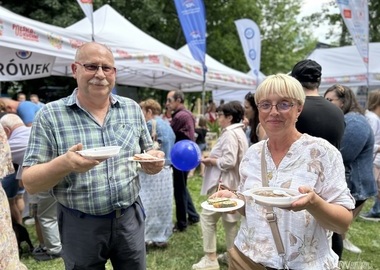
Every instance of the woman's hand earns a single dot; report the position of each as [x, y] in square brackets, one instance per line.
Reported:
[229, 194]
[330, 216]
[209, 161]
[304, 202]
[224, 194]
[153, 167]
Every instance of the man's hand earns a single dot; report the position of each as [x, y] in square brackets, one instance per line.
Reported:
[77, 163]
[154, 167]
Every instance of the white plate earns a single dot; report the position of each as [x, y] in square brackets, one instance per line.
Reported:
[146, 160]
[100, 152]
[281, 202]
[207, 206]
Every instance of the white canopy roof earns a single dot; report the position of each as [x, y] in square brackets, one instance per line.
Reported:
[25, 42]
[344, 65]
[140, 59]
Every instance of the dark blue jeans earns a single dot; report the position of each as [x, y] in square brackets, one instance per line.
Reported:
[183, 202]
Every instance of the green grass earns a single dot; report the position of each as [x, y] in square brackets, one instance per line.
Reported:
[185, 248]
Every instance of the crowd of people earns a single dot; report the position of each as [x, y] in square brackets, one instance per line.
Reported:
[92, 210]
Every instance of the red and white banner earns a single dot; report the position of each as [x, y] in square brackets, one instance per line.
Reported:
[24, 65]
[355, 16]
[87, 8]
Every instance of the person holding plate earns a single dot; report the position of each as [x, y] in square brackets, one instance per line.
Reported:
[157, 190]
[100, 214]
[222, 171]
[301, 163]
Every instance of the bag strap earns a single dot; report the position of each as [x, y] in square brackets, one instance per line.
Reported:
[154, 130]
[270, 214]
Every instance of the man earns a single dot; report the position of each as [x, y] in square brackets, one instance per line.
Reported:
[25, 109]
[319, 117]
[100, 212]
[21, 97]
[35, 99]
[183, 125]
[46, 206]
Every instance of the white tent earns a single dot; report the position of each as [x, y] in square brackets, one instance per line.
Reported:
[231, 95]
[140, 59]
[28, 47]
[344, 65]
[220, 77]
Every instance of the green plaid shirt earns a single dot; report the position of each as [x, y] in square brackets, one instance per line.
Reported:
[113, 183]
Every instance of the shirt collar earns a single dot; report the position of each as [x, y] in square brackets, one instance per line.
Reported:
[73, 99]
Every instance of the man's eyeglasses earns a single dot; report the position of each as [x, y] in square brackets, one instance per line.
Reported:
[92, 68]
[282, 106]
[168, 100]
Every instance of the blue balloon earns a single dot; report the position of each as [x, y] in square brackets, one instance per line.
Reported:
[185, 155]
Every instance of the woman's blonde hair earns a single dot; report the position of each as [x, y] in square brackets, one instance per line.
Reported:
[282, 85]
[151, 104]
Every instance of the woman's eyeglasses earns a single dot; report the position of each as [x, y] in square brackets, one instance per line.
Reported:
[332, 99]
[282, 106]
[92, 68]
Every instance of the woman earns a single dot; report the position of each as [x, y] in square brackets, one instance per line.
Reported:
[254, 131]
[211, 113]
[157, 190]
[356, 148]
[373, 116]
[9, 253]
[200, 134]
[296, 161]
[222, 169]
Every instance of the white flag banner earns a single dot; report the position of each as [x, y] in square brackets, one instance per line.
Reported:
[87, 8]
[355, 16]
[250, 39]
[18, 65]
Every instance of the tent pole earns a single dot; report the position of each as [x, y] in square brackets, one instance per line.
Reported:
[203, 90]
[203, 98]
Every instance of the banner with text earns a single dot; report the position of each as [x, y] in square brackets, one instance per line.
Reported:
[24, 65]
[192, 16]
[355, 16]
[250, 39]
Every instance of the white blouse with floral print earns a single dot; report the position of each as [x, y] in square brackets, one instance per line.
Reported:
[312, 162]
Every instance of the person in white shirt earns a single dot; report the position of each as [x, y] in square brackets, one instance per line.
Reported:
[373, 116]
[296, 161]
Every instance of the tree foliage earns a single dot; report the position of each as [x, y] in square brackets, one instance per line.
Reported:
[284, 39]
[336, 20]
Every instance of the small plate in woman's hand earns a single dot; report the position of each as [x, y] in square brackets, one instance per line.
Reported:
[239, 203]
[274, 196]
